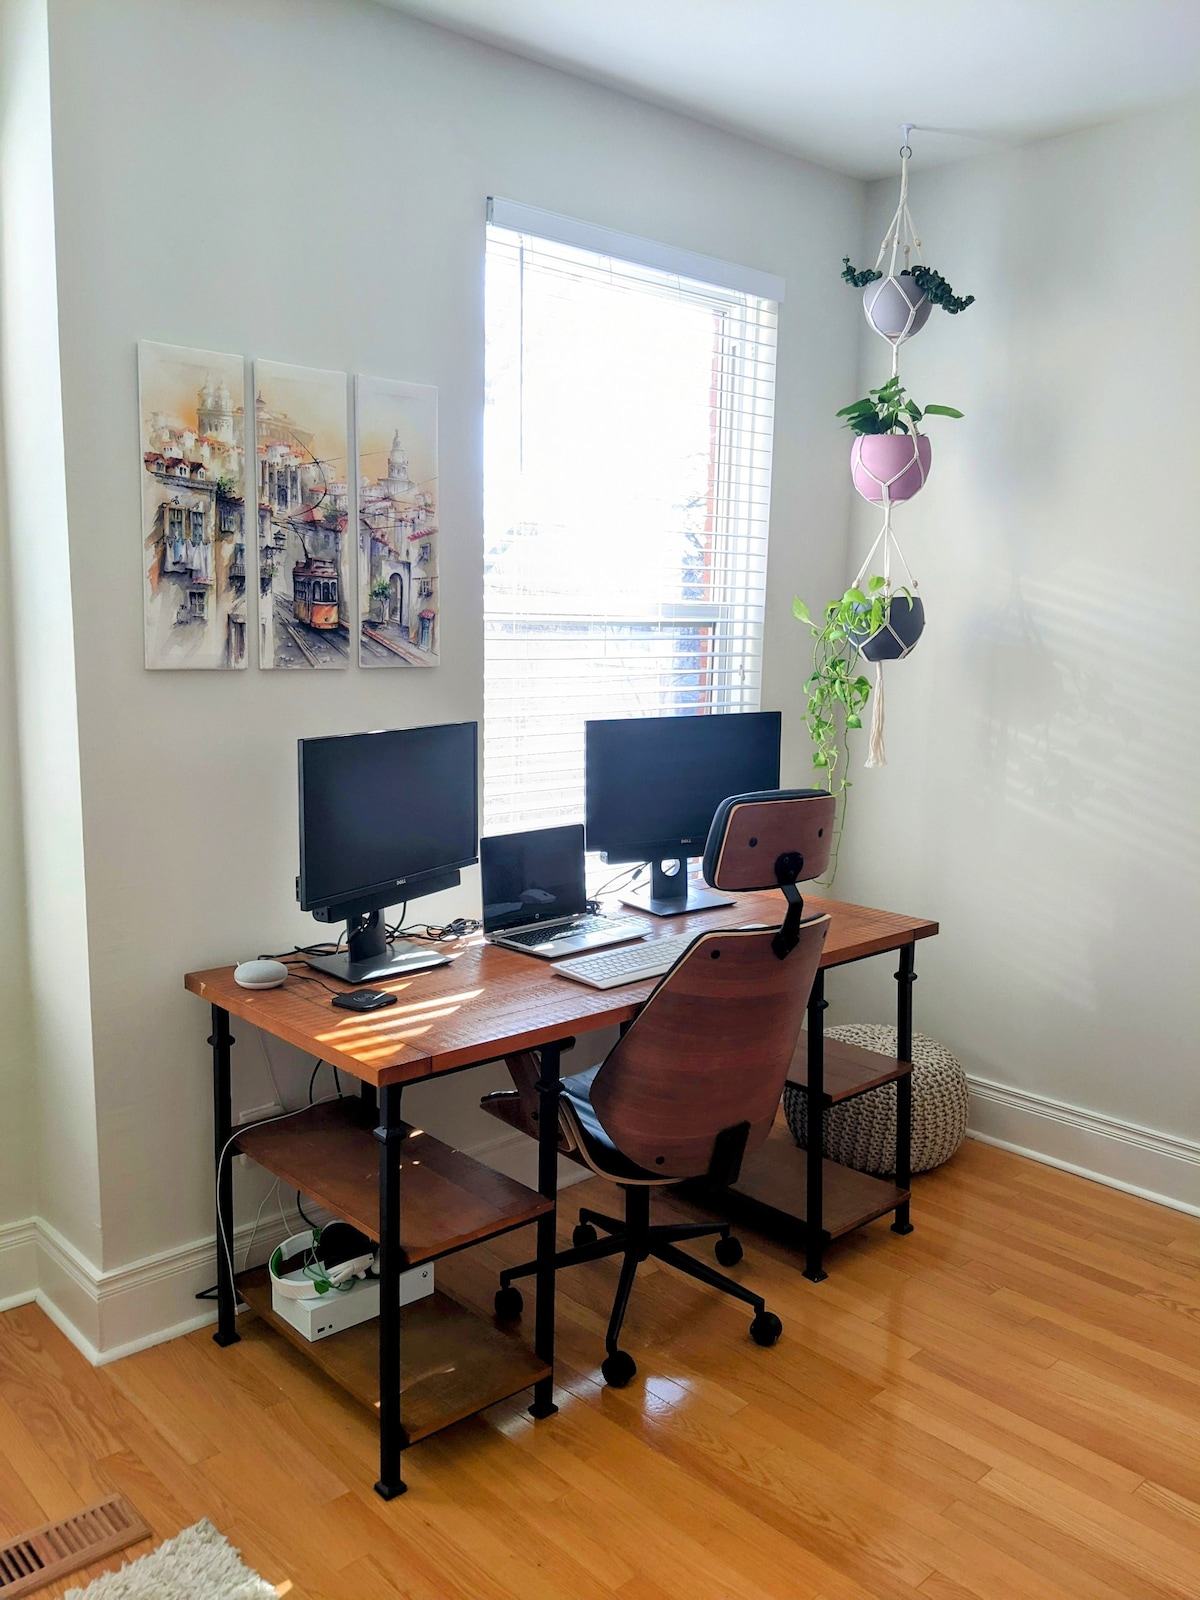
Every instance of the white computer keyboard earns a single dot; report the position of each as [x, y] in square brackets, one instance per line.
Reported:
[609, 969]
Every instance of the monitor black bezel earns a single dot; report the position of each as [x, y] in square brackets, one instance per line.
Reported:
[618, 851]
[389, 891]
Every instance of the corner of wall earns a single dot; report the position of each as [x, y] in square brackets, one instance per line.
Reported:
[62, 1110]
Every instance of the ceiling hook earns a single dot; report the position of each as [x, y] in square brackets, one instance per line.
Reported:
[906, 128]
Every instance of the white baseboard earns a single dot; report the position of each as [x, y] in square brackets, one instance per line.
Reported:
[1157, 1166]
[107, 1315]
[115, 1313]
[18, 1264]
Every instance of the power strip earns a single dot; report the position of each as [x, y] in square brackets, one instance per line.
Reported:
[257, 1114]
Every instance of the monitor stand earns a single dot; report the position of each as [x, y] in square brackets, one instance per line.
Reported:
[669, 894]
[369, 956]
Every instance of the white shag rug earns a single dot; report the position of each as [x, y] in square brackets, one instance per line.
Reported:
[198, 1564]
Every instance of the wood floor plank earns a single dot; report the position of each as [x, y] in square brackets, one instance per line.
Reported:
[1004, 1405]
[1115, 1544]
[1037, 1547]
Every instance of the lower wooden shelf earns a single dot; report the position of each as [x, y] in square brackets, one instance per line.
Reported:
[454, 1363]
[448, 1201]
[777, 1176]
[848, 1068]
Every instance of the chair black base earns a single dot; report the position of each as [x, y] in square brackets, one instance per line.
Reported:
[636, 1239]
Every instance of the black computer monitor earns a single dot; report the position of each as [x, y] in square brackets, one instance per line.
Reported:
[654, 784]
[384, 818]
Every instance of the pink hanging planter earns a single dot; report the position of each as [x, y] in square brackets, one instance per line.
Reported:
[896, 308]
[895, 462]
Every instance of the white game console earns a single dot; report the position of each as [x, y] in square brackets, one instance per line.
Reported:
[319, 1315]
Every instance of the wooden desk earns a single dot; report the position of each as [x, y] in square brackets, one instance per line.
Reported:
[354, 1158]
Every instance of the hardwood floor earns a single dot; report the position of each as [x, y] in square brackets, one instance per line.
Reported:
[1003, 1406]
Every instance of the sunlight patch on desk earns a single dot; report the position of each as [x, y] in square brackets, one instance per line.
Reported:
[387, 1049]
[453, 1001]
[364, 1033]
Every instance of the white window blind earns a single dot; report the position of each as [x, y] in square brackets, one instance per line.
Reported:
[628, 438]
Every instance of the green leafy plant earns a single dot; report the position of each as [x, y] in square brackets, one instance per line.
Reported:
[931, 284]
[856, 278]
[938, 292]
[380, 589]
[836, 691]
[889, 410]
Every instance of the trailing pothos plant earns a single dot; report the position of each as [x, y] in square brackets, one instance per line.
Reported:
[931, 284]
[836, 690]
[889, 410]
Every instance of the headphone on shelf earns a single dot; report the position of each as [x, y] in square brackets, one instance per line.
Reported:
[334, 1256]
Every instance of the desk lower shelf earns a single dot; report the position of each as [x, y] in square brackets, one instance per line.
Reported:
[776, 1176]
[454, 1363]
[448, 1200]
[849, 1070]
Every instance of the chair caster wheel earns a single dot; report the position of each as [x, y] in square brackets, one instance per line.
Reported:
[508, 1304]
[728, 1252]
[618, 1369]
[766, 1328]
[584, 1234]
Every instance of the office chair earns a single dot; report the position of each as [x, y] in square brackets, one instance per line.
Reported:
[692, 1086]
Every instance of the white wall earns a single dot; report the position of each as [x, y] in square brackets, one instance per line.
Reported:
[16, 1064]
[306, 181]
[1041, 797]
[43, 954]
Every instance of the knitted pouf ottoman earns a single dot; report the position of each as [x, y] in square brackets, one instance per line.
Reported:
[861, 1133]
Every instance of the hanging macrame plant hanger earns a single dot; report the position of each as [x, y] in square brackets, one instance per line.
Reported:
[892, 642]
[894, 305]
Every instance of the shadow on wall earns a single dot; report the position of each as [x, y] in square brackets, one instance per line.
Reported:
[1092, 712]
[1090, 720]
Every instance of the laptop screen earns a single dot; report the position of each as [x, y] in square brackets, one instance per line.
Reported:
[532, 877]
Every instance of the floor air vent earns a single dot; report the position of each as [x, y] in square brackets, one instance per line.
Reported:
[44, 1554]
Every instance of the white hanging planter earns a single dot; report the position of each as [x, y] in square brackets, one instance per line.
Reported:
[890, 466]
[895, 307]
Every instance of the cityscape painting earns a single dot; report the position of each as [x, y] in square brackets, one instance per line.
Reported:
[397, 523]
[302, 456]
[193, 507]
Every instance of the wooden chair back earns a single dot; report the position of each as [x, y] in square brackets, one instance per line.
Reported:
[709, 1052]
[760, 841]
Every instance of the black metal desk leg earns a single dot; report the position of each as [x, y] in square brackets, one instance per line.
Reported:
[815, 1208]
[222, 1041]
[549, 1088]
[905, 979]
[392, 1439]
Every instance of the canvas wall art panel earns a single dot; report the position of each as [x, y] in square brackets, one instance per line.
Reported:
[302, 457]
[397, 523]
[193, 506]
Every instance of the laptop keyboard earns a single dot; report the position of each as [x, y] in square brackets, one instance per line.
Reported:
[567, 930]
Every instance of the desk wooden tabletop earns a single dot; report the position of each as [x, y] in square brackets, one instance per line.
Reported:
[490, 1002]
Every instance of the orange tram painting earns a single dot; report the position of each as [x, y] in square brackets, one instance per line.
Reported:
[315, 594]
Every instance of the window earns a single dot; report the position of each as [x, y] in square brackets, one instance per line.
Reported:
[627, 484]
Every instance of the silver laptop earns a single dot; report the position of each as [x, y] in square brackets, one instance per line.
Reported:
[534, 898]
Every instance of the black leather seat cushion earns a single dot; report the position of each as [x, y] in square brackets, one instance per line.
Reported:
[577, 1090]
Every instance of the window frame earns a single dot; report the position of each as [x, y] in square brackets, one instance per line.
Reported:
[741, 608]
